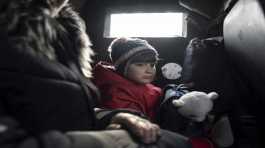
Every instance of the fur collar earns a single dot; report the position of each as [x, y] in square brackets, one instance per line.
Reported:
[56, 33]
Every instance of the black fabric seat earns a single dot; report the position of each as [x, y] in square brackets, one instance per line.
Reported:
[207, 68]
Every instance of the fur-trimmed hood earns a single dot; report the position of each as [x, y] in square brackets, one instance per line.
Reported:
[47, 28]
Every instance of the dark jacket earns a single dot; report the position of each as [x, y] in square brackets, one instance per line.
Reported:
[43, 94]
[42, 82]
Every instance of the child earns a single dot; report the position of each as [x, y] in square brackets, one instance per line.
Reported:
[127, 83]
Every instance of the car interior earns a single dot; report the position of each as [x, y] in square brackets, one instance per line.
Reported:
[220, 48]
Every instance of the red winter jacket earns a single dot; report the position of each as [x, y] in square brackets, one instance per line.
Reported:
[118, 92]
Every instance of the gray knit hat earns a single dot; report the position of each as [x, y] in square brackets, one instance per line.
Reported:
[124, 51]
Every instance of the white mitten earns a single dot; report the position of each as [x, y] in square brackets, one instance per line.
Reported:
[195, 105]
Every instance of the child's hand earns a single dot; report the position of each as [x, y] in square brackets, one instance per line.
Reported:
[143, 129]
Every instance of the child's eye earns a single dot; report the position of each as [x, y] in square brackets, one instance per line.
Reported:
[145, 64]
[139, 64]
[153, 64]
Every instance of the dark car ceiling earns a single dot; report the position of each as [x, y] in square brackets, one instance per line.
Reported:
[206, 8]
[201, 18]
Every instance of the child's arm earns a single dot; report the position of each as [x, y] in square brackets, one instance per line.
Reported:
[119, 98]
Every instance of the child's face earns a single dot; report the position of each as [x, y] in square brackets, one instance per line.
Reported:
[142, 72]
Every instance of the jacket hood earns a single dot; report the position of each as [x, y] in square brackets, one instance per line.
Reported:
[61, 38]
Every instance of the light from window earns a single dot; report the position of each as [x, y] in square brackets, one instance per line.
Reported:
[146, 25]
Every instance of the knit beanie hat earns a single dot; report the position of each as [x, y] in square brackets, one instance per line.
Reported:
[124, 51]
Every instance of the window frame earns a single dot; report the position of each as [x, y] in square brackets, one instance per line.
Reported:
[143, 9]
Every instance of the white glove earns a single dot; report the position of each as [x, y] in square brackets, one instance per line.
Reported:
[195, 105]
